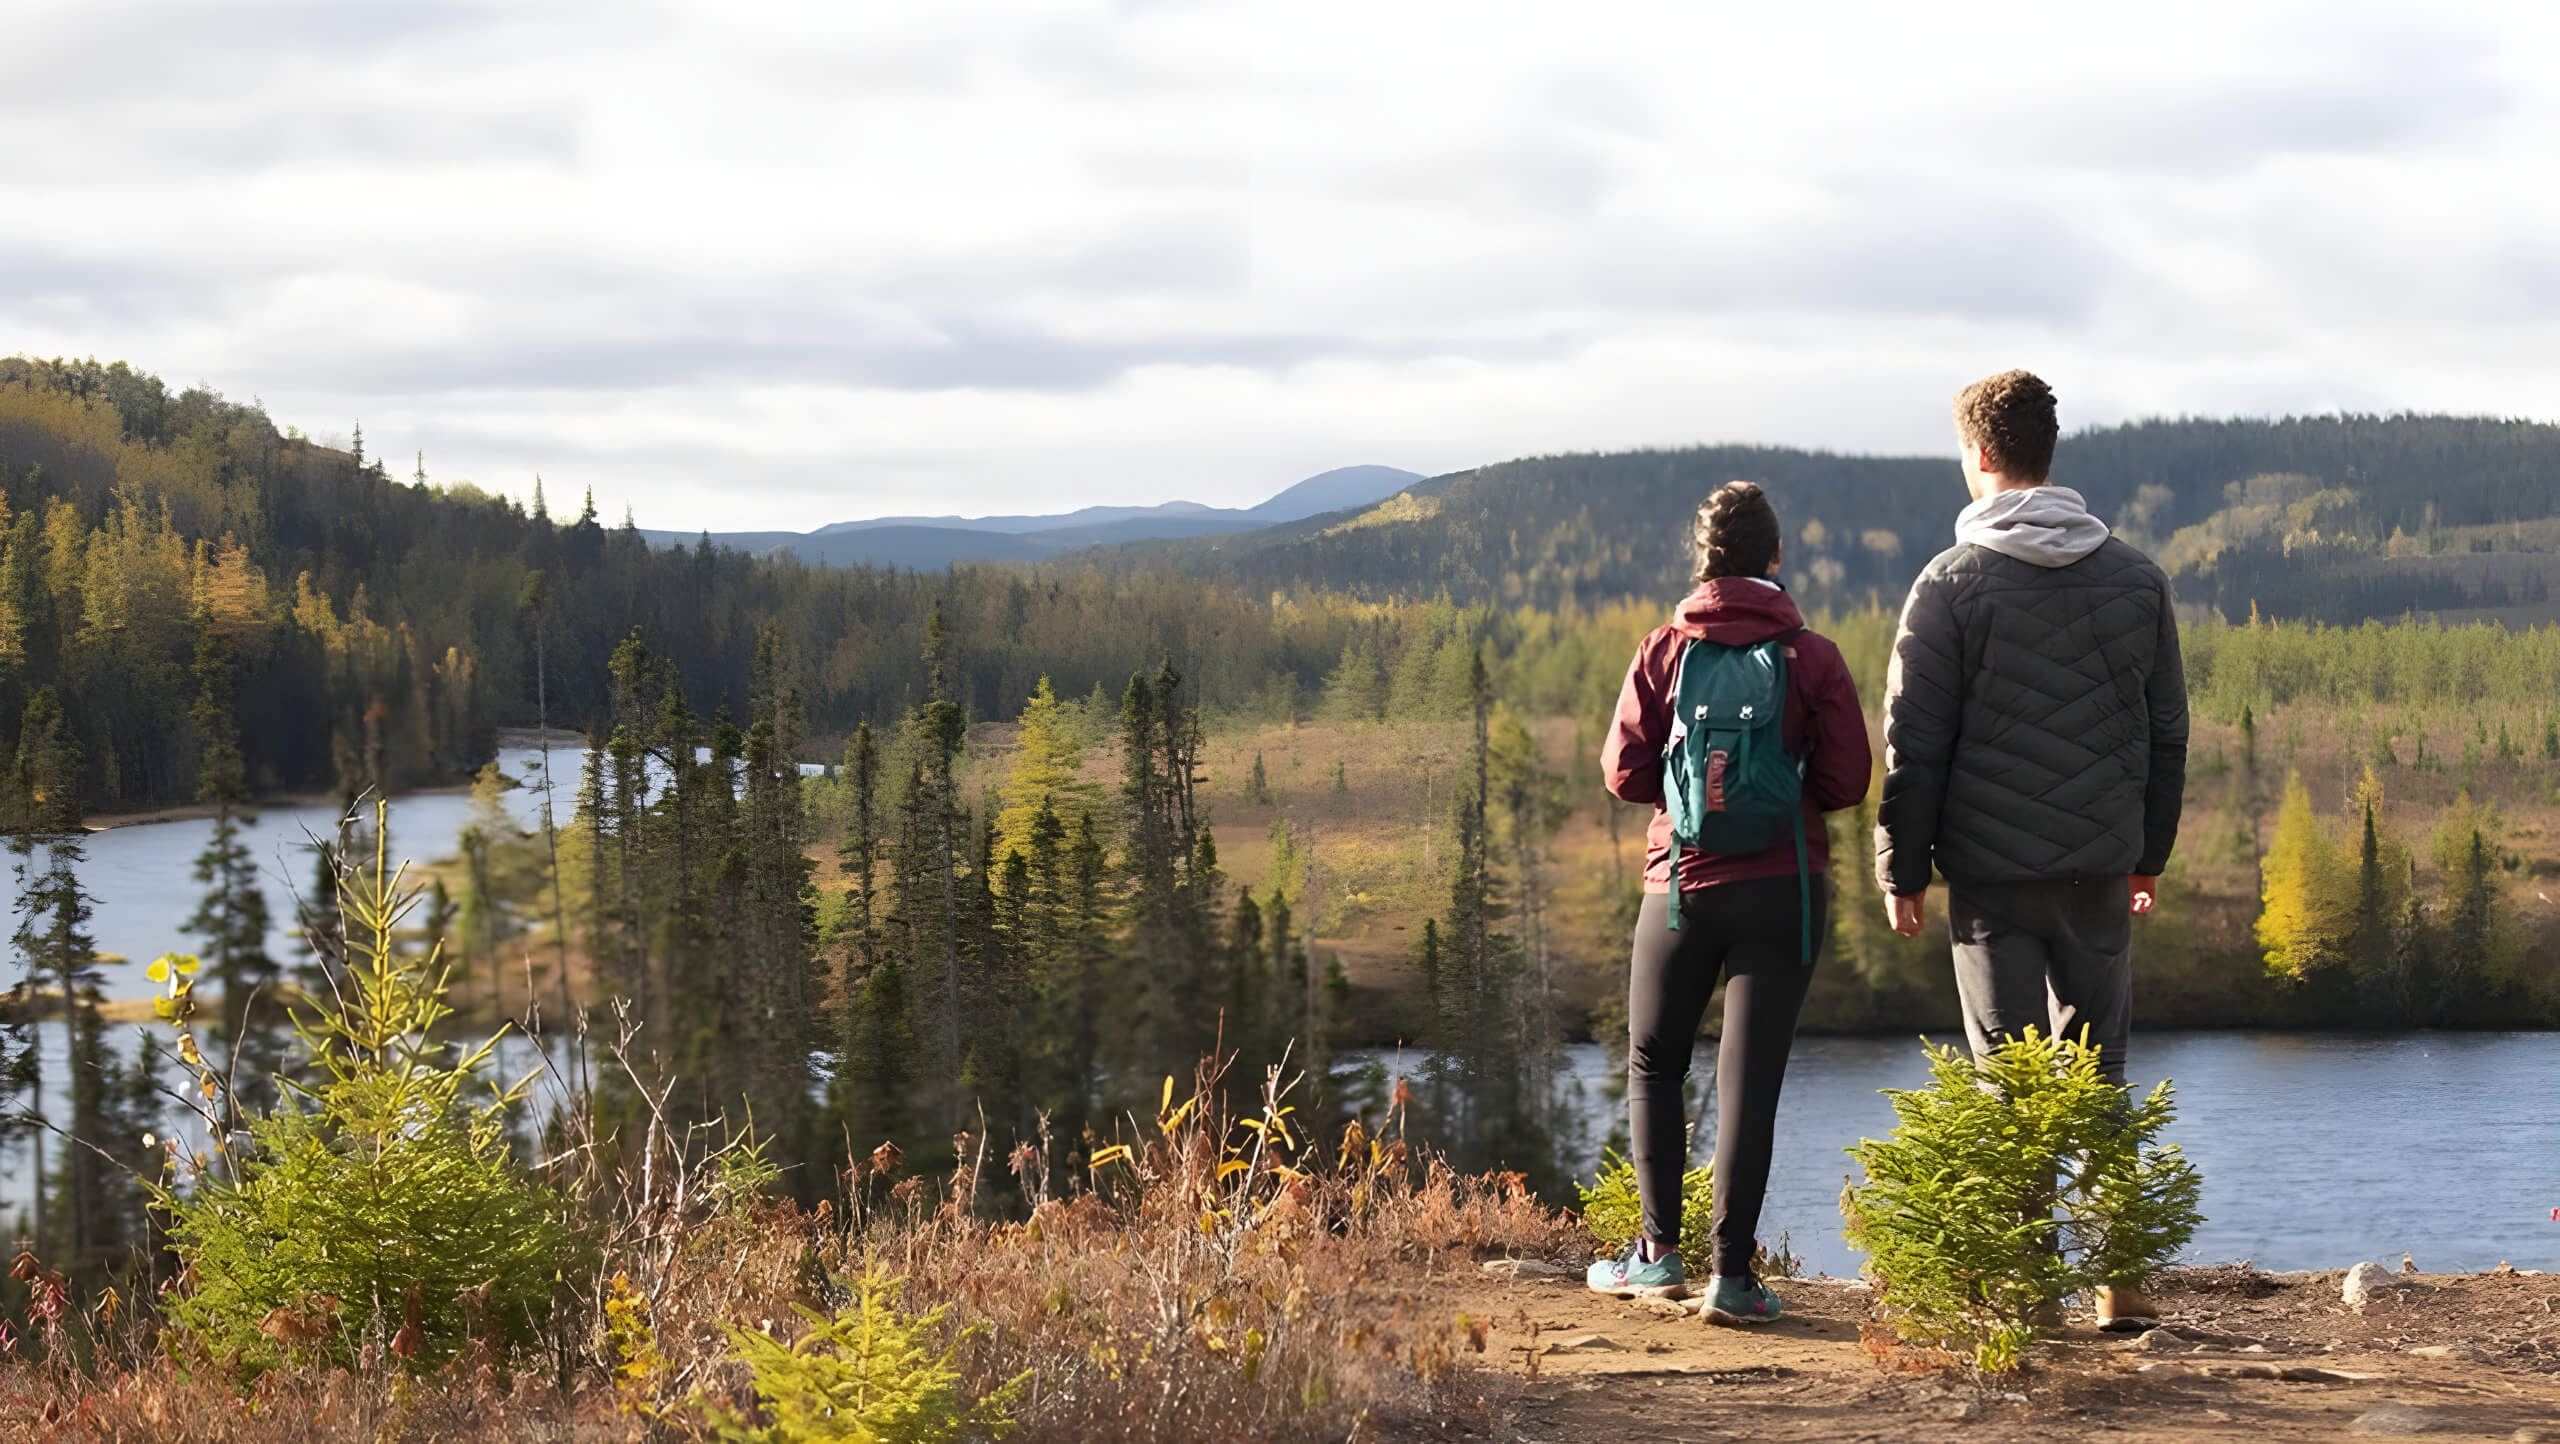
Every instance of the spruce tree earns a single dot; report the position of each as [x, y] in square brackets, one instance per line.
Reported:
[53, 948]
[1532, 808]
[2412, 959]
[1490, 1076]
[871, 1016]
[1080, 960]
[591, 840]
[2369, 944]
[1356, 689]
[992, 991]
[2471, 932]
[230, 922]
[681, 886]
[633, 712]
[59, 957]
[858, 857]
[876, 1080]
[1170, 872]
[627, 807]
[1248, 984]
[480, 919]
[930, 856]
[777, 911]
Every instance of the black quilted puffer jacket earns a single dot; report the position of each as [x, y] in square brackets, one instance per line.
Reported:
[2035, 719]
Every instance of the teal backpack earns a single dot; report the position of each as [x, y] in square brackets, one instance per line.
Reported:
[1726, 777]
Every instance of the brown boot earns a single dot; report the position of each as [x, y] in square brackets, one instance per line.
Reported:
[2123, 1309]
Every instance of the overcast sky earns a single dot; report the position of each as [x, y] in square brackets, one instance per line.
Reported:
[748, 265]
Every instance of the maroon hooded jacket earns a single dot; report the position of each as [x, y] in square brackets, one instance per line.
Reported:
[1823, 725]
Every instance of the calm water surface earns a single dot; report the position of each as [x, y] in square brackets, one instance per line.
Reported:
[142, 878]
[143, 875]
[2317, 1149]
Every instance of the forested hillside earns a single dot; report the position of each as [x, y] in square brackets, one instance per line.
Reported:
[2327, 518]
[376, 626]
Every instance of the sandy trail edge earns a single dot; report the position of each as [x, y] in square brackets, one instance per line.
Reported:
[1665, 1379]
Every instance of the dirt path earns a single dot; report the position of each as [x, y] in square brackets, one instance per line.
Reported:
[2258, 1357]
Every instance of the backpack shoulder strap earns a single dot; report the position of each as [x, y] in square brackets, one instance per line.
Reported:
[1679, 679]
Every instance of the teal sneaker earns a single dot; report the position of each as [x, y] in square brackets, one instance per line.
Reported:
[1631, 1275]
[1740, 1301]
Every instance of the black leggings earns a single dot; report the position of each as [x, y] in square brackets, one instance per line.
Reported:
[1750, 935]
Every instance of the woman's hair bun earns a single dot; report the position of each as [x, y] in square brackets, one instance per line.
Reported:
[1736, 533]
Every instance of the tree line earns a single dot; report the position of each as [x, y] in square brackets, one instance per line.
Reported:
[1016, 970]
[382, 625]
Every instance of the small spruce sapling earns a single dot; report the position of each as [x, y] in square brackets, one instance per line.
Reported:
[871, 1374]
[2009, 1184]
[378, 1196]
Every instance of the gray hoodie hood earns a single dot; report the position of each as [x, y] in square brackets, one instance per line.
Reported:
[2047, 525]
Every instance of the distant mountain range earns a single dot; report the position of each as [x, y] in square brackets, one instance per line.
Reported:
[2338, 518]
[929, 543]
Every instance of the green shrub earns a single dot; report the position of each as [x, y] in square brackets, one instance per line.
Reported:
[868, 1375]
[373, 1204]
[1614, 1212]
[2010, 1184]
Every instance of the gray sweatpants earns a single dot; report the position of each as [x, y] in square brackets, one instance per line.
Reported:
[2057, 956]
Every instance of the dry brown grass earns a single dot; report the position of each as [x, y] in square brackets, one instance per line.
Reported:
[1221, 1278]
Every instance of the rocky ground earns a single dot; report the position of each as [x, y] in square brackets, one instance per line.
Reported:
[2241, 1355]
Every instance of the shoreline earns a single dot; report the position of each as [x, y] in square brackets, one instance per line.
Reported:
[508, 739]
[281, 801]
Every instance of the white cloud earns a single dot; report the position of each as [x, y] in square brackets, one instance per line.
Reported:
[772, 265]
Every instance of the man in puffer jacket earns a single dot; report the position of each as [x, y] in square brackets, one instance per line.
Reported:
[2035, 732]
[2035, 735]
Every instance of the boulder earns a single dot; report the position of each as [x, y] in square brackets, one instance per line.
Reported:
[2463, 1352]
[2368, 1279]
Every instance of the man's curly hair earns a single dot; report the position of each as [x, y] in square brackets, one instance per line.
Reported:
[1736, 533]
[2010, 416]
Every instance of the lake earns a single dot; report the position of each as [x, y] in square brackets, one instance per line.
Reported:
[142, 875]
[2317, 1149]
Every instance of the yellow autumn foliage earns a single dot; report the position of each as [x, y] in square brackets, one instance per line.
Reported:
[2307, 890]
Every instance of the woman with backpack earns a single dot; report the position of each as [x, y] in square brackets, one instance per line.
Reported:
[1735, 881]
